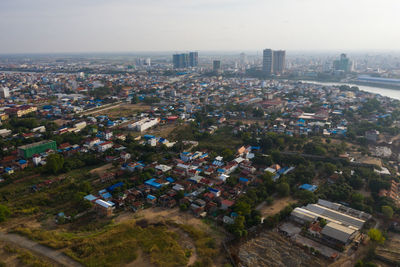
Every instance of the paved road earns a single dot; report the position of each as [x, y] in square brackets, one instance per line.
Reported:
[26, 243]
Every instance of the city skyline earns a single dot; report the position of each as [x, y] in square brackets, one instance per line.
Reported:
[223, 25]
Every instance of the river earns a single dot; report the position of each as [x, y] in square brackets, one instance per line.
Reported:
[395, 94]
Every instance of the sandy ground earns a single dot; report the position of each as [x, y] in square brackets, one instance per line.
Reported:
[119, 110]
[163, 130]
[276, 207]
[157, 214]
[102, 169]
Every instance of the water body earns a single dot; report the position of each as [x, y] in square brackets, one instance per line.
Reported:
[395, 94]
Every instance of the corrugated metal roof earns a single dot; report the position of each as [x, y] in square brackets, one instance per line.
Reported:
[338, 232]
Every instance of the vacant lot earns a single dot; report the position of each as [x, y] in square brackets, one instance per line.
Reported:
[13, 255]
[272, 250]
[102, 169]
[276, 207]
[123, 110]
[390, 251]
[152, 238]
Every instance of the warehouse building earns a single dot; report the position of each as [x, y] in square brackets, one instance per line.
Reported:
[27, 151]
[144, 124]
[343, 223]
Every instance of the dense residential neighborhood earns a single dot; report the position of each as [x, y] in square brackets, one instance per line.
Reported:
[257, 160]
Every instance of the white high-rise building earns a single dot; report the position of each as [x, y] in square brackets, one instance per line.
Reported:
[4, 92]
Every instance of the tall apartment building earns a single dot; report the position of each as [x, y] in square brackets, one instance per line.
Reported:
[279, 61]
[181, 61]
[216, 65]
[193, 59]
[273, 61]
[343, 64]
[267, 61]
[4, 92]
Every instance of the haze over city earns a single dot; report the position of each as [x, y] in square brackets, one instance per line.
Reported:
[46, 26]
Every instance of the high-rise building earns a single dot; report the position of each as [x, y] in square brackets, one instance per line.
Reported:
[193, 59]
[343, 64]
[278, 60]
[181, 61]
[216, 65]
[267, 62]
[4, 92]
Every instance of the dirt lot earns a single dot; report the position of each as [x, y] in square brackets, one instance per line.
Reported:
[272, 250]
[163, 130]
[102, 169]
[276, 207]
[119, 110]
[366, 159]
[126, 110]
[390, 251]
[157, 215]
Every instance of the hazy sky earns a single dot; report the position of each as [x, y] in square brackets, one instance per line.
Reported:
[180, 25]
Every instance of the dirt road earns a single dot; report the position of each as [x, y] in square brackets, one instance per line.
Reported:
[24, 242]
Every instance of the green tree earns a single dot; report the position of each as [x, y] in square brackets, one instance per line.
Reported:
[387, 211]
[283, 189]
[376, 235]
[329, 169]
[4, 213]
[55, 163]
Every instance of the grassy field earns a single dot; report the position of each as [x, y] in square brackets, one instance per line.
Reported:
[120, 243]
[14, 256]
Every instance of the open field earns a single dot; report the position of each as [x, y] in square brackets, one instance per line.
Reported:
[390, 251]
[276, 206]
[163, 130]
[272, 250]
[119, 110]
[153, 237]
[102, 169]
[11, 255]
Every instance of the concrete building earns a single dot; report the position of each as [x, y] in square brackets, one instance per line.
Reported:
[193, 59]
[216, 65]
[267, 66]
[4, 92]
[181, 61]
[27, 151]
[144, 124]
[343, 64]
[279, 61]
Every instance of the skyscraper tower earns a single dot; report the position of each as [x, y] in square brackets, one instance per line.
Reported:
[181, 61]
[216, 65]
[279, 61]
[267, 61]
[193, 59]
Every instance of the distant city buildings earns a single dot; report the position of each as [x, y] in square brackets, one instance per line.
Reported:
[274, 62]
[343, 64]
[216, 65]
[181, 61]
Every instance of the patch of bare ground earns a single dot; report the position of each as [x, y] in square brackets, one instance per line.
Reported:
[275, 207]
[141, 261]
[102, 169]
[272, 250]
